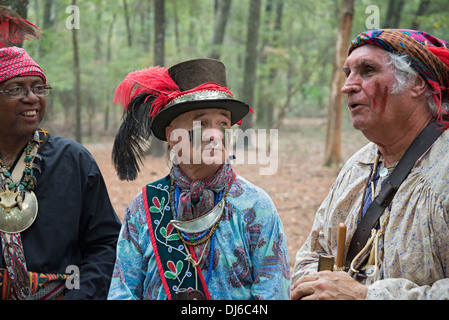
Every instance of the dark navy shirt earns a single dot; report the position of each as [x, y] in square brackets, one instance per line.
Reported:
[76, 224]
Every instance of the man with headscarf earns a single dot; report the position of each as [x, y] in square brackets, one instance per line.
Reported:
[57, 225]
[397, 92]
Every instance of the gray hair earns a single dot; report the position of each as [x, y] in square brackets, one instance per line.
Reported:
[405, 74]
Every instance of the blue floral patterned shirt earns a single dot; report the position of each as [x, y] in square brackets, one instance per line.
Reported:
[250, 258]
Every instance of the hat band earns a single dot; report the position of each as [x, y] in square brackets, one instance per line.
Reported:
[200, 95]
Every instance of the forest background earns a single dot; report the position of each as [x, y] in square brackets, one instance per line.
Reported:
[282, 57]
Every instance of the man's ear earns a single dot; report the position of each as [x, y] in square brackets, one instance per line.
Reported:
[419, 88]
[168, 130]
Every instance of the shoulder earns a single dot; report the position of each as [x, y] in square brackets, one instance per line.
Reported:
[364, 156]
[246, 194]
[356, 167]
[437, 159]
[57, 146]
[161, 183]
[433, 168]
[64, 157]
[155, 194]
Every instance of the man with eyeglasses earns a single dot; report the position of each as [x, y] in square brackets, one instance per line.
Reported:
[58, 228]
[22, 92]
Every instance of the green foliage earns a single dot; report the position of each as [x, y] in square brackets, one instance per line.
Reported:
[294, 64]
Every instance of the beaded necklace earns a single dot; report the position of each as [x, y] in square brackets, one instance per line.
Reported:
[18, 204]
[27, 181]
[205, 236]
[18, 210]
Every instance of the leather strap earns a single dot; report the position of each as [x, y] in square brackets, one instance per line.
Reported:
[418, 147]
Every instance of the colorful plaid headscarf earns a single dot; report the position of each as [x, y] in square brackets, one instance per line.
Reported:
[429, 56]
[15, 62]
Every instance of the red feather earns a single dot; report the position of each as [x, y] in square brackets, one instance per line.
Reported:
[154, 80]
[441, 52]
[14, 29]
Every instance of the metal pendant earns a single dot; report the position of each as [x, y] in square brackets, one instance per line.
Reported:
[383, 172]
[184, 294]
[17, 214]
[202, 223]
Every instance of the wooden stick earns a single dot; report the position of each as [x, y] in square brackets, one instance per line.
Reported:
[341, 240]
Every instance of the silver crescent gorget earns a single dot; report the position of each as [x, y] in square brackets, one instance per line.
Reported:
[202, 223]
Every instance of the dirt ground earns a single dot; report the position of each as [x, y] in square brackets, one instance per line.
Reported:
[297, 190]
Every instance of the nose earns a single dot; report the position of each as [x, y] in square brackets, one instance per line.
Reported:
[30, 96]
[213, 134]
[351, 85]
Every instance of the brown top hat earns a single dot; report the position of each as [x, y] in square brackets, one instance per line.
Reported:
[192, 77]
[154, 96]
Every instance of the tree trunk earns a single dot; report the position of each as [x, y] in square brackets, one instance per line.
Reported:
[252, 38]
[423, 6]
[221, 19]
[176, 25]
[268, 99]
[145, 12]
[157, 146]
[108, 60]
[19, 6]
[333, 136]
[159, 32]
[76, 71]
[394, 12]
[98, 35]
[128, 26]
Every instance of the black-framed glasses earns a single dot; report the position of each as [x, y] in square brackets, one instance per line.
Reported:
[22, 92]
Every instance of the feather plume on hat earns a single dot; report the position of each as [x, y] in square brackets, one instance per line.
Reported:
[14, 29]
[142, 94]
[154, 80]
[133, 137]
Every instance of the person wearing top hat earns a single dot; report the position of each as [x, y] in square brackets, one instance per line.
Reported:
[202, 232]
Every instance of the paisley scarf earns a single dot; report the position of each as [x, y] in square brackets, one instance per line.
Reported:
[197, 197]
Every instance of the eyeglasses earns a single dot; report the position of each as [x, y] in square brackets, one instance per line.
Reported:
[22, 92]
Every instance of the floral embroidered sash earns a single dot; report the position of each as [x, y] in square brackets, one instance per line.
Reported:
[170, 253]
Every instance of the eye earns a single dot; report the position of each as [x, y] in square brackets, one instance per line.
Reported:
[16, 90]
[368, 70]
[39, 89]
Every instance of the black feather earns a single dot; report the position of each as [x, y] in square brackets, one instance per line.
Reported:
[133, 137]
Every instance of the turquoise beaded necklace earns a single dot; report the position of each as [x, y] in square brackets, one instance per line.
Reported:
[27, 182]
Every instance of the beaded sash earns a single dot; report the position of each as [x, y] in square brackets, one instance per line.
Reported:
[172, 257]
